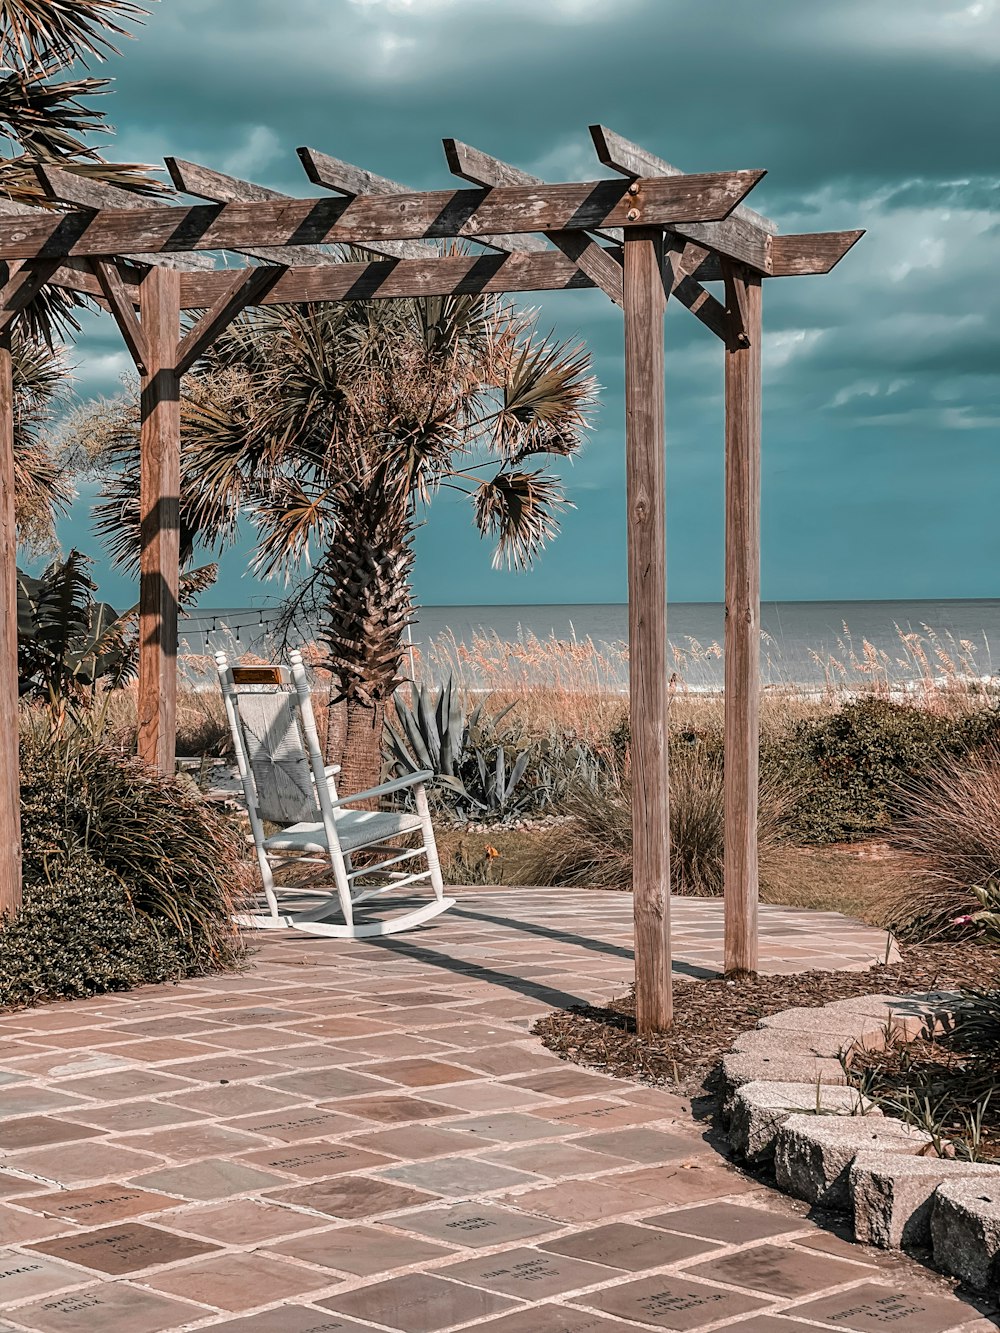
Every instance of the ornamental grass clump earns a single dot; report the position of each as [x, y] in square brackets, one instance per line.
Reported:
[129, 877]
[949, 828]
[594, 846]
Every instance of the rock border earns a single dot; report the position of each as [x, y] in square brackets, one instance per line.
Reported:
[786, 1102]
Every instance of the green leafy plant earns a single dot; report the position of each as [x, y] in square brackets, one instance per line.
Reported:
[67, 640]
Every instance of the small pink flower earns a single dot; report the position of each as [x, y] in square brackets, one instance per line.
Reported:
[962, 920]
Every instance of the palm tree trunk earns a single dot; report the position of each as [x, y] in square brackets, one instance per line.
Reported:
[361, 766]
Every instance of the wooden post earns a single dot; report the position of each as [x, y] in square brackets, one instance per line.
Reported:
[159, 304]
[742, 643]
[644, 307]
[10, 785]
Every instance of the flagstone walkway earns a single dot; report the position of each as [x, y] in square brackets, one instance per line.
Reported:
[363, 1136]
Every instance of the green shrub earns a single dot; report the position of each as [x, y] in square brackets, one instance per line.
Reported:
[107, 840]
[80, 935]
[845, 771]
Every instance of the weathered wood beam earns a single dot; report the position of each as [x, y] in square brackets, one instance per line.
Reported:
[349, 180]
[66, 187]
[680, 260]
[21, 289]
[121, 302]
[482, 169]
[10, 784]
[346, 179]
[445, 276]
[742, 630]
[743, 235]
[244, 287]
[644, 306]
[159, 482]
[204, 183]
[810, 252]
[369, 218]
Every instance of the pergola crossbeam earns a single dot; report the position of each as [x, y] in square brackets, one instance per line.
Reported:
[67, 187]
[481, 169]
[744, 235]
[204, 183]
[444, 214]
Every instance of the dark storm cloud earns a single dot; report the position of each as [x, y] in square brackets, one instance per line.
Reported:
[882, 116]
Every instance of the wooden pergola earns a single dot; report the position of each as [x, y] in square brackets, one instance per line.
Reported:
[643, 235]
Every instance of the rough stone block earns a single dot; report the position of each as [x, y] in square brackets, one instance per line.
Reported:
[892, 1195]
[965, 1230]
[778, 1043]
[758, 1110]
[742, 1067]
[813, 1153]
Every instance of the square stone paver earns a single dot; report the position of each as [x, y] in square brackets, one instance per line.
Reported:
[96, 1204]
[293, 1319]
[295, 1126]
[122, 1249]
[579, 1201]
[25, 1275]
[126, 1083]
[325, 1084]
[685, 1182]
[239, 1221]
[458, 1176]
[650, 1146]
[362, 1251]
[417, 1303]
[671, 1302]
[19, 1228]
[422, 1073]
[213, 1178]
[633, 1248]
[778, 1270]
[110, 1307]
[237, 1281]
[236, 1099]
[352, 1197]
[392, 1110]
[556, 1319]
[415, 1142]
[510, 1127]
[314, 1161]
[37, 1130]
[123, 1117]
[871, 1307]
[555, 1161]
[473, 1224]
[527, 1273]
[732, 1223]
[76, 1163]
[188, 1143]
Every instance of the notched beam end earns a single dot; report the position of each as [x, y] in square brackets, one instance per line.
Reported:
[810, 252]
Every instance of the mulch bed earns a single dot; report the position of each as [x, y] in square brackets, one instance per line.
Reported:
[710, 1014]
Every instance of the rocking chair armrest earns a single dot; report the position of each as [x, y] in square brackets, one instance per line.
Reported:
[387, 788]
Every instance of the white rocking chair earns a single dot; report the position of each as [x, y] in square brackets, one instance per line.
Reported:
[286, 783]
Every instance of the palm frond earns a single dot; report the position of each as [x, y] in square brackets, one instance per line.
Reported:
[35, 32]
[519, 509]
[548, 393]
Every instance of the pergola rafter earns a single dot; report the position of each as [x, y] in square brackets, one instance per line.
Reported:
[643, 236]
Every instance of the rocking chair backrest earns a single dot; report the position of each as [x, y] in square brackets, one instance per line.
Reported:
[271, 717]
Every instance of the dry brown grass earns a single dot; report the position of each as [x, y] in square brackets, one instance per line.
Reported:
[949, 829]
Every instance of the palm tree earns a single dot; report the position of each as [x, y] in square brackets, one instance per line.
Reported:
[331, 428]
[47, 119]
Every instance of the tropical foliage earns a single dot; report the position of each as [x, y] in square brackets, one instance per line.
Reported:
[329, 429]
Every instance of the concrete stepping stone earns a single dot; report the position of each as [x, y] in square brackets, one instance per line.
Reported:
[965, 1231]
[813, 1153]
[893, 1195]
[757, 1111]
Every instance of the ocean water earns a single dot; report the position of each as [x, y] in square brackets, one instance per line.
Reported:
[803, 643]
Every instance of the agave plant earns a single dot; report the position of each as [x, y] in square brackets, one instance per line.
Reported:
[466, 752]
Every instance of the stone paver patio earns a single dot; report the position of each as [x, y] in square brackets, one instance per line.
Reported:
[361, 1136]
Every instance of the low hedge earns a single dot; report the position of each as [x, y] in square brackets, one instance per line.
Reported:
[129, 877]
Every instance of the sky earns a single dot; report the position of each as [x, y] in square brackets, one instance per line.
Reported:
[881, 422]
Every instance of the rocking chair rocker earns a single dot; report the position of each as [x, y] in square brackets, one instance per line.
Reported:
[286, 783]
